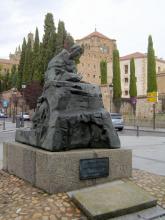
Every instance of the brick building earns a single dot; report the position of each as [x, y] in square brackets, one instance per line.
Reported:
[6, 64]
[140, 72]
[97, 47]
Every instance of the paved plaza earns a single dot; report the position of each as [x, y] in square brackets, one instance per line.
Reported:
[148, 152]
[19, 200]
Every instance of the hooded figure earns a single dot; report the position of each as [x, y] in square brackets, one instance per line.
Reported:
[63, 66]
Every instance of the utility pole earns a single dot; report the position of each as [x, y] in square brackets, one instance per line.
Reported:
[154, 116]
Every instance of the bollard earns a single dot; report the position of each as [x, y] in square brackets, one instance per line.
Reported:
[17, 122]
[137, 134]
[4, 128]
[22, 122]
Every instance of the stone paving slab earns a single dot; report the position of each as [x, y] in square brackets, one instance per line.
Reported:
[112, 200]
[19, 200]
[155, 213]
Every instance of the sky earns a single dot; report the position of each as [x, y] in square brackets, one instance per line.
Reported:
[130, 22]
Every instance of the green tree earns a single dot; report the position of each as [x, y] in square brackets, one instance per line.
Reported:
[1, 83]
[36, 71]
[103, 70]
[132, 85]
[151, 67]
[61, 37]
[48, 45]
[116, 81]
[21, 65]
[13, 77]
[68, 42]
[6, 81]
[27, 70]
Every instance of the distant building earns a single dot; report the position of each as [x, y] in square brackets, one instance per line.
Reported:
[140, 72]
[6, 64]
[97, 47]
[161, 83]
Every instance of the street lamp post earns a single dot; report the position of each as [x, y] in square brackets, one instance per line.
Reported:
[14, 93]
[22, 119]
[111, 93]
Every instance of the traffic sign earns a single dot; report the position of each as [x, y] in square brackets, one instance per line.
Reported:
[5, 103]
[152, 97]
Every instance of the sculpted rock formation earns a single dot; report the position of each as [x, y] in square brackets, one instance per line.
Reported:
[70, 113]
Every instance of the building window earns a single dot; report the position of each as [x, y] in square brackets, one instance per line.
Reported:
[94, 66]
[159, 69]
[88, 65]
[126, 69]
[94, 76]
[82, 64]
[126, 80]
[97, 39]
[104, 48]
[126, 92]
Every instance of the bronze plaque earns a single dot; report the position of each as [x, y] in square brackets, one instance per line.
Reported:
[94, 168]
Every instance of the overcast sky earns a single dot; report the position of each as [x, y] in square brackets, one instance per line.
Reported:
[128, 21]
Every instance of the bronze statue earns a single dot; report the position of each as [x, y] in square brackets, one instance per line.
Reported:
[62, 67]
[70, 113]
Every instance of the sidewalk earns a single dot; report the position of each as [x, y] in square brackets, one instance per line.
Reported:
[9, 126]
[147, 129]
[21, 201]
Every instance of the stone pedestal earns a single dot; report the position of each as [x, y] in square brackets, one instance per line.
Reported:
[60, 171]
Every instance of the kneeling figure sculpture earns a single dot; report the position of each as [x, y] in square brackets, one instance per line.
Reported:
[70, 113]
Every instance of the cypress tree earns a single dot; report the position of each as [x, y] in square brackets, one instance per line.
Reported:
[151, 67]
[103, 70]
[68, 42]
[132, 85]
[36, 72]
[27, 70]
[21, 65]
[48, 45]
[116, 80]
[61, 37]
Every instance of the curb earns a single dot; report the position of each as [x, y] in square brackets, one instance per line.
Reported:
[7, 130]
[153, 131]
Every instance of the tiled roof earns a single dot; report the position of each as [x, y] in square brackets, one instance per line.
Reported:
[137, 55]
[133, 55]
[95, 34]
[7, 61]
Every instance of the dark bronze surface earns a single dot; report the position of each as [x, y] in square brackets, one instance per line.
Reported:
[69, 114]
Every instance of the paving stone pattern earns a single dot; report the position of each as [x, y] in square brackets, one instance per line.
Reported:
[21, 201]
[152, 183]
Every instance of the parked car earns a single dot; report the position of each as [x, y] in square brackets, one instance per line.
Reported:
[117, 121]
[25, 115]
[3, 115]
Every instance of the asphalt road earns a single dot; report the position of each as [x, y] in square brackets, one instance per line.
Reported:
[148, 149]
[148, 152]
